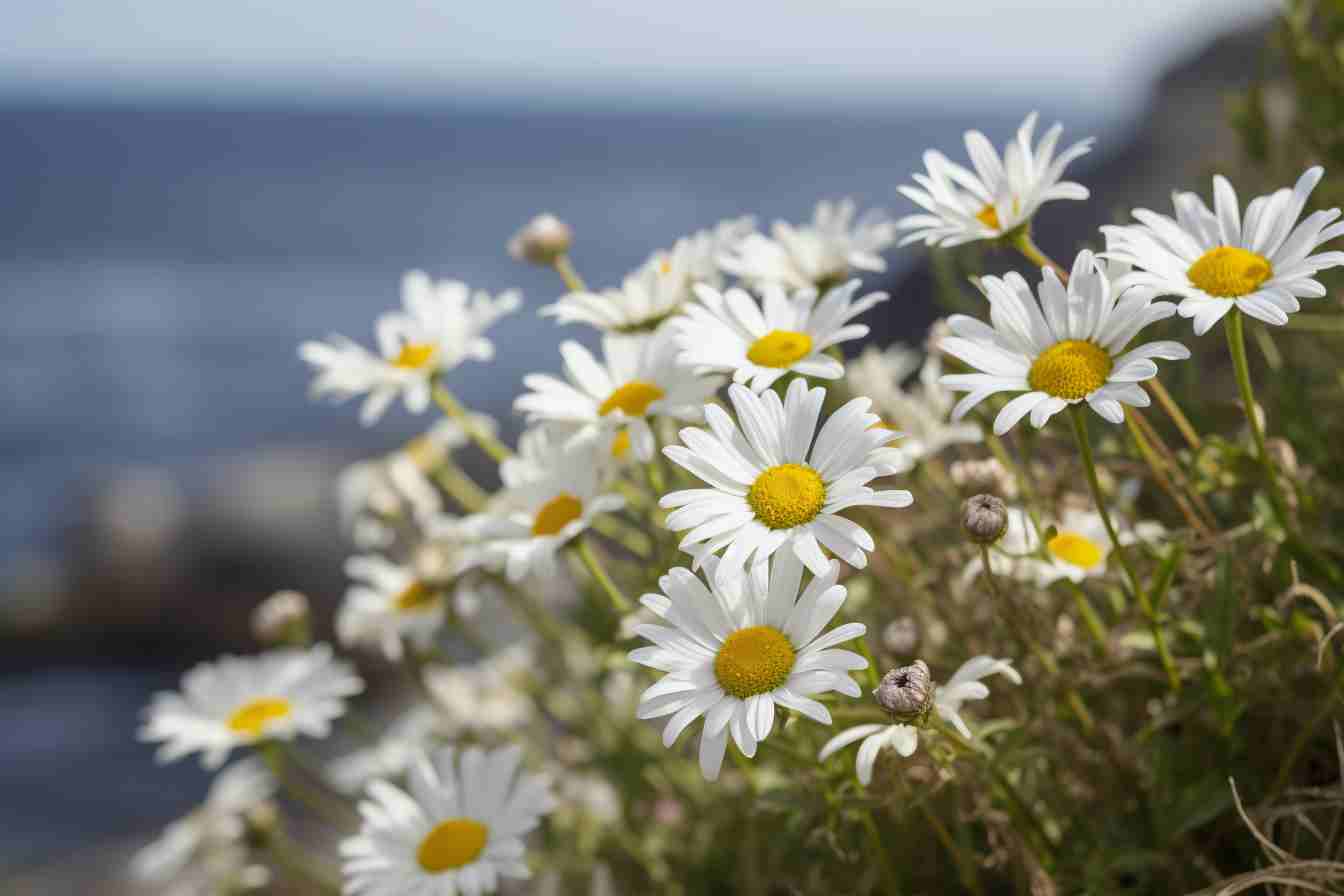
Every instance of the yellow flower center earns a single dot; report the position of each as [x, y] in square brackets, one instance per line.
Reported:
[452, 844]
[251, 719]
[1229, 272]
[620, 446]
[417, 596]
[787, 495]
[1071, 369]
[1078, 550]
[557, 513]
[989, 216]
[415, 355]
[665, 265]
[779, 348]
[754, 661]
[632, 399]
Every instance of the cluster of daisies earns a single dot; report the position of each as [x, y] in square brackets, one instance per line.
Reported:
[723, 357]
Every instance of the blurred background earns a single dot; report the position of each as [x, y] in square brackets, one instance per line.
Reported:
[188, 190]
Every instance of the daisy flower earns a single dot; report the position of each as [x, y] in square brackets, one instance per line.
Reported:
[211, 838]
[440, 325]
[1217, 260]
[387, 605]
[1001, 195]
[770, 485]
[964, 685]
[486, 696]
[732, 655]
[458, 828]
[1069, 347]
[729, 332]
[1079, 549]
[405, 737]
[240, 701]
[552, 491]
[659, 288]
[638, 378]
[918, 413]
[819, 256]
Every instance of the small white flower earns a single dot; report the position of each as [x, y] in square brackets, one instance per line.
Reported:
[239, 701]
[918, 413]
[1217, 261]
[965, 684]
[771, 486]
[820, 255]
[732, 655]
[638, 378]
[659, 288]
[457, 828]
[1079, 550]
[1002, 194]
[552, 491]
[729, 332]
[1066, 348]
[410, 734]
[486, 696]
[210, 838]
[388, 604]
[441, 325]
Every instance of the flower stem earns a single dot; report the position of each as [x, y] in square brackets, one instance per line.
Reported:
[619, 602]
[888, 869]
[1089, 465]
[287, 854]
[1160, 475]
[1174, 412]
[455, 411]
[1023, 243]
[573, 282]
[1236, 344]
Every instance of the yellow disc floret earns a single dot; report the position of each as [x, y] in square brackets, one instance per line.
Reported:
[620, 445]
[251, 718]
[452, 844]
[557, 513]
[1075, 549]
[415, 355]
[787, 495]
[632, 399]
[416, 596]
[780, 348]
[1229, 272]
[1071, 369]
[989, 216]
[754, 661]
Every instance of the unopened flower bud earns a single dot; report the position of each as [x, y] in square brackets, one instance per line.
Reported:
[1282, 454]
[281, 618]
[906, 692]
[984, 518]
[541, 241]
[260, 823]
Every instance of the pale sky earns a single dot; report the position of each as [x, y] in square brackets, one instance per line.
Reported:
[855, 51]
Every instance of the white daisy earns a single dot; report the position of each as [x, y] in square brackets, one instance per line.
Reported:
[1216, 260]
[639, 378]
[821, 255]
[388, 604]
[732, 655]
[552, 491]
[1079, 549]
[658, 288]
[1001, 195]
[919, 413]
[771, 486]
[408, 735]
[486, 696]
[964, 685]
[729, 332]
[1067, 348]
[239, 701]
[211, 837]
[458, 828]
[441, 325]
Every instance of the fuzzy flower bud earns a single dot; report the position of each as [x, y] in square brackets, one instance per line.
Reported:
[906, 692]
[281, 618]
[984, 518]
[541, 241]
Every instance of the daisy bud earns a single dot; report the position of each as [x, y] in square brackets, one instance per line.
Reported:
[906, 692]
[281, 618]
[260, 823]
[541, 241]
[984, 518]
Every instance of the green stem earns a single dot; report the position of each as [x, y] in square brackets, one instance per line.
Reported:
[573, 282]
[1022, 241]
[888, 867]
[286, 854]
[454, 409]
[619, 602]
[1236, 344]
[1091, 620]
[333, 810]
[965, 865]
[1089, 465]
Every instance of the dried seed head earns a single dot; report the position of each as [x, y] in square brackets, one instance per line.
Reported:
[906, 692]
[541, 241]
[281, 618]
[984, 518]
